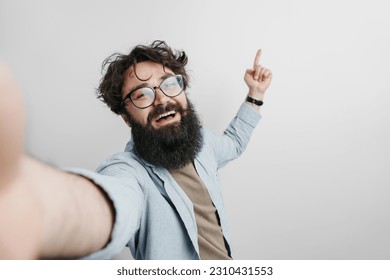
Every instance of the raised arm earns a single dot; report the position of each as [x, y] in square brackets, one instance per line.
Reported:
[44, 212]
[236, 137]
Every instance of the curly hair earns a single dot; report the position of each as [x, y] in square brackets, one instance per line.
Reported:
[110, 88]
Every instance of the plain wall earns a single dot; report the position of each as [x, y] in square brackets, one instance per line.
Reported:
[314, 182]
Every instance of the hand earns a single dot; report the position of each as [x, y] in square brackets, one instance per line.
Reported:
[20, 224]
[258, 78]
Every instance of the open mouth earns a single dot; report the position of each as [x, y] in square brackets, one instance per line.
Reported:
[166, 116]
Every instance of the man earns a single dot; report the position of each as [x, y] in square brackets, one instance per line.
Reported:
[160, 196]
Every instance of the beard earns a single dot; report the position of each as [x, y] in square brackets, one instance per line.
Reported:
[172, 146]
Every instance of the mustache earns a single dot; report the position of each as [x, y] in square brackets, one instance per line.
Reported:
[161, 109]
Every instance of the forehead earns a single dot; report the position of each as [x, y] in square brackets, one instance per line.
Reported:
[145, 71]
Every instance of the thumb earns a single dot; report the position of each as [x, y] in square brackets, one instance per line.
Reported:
[249, 71]
[11, 125]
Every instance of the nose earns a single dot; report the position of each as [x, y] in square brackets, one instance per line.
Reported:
[161, 98]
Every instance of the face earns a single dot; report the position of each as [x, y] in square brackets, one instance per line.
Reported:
[151, 74]
[170, 126]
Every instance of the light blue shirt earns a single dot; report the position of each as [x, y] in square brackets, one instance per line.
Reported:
[153, 215]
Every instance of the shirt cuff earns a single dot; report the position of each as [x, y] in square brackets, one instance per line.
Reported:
[249, 115]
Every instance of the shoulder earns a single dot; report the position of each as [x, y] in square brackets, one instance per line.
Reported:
[122, 162]
[210, 139]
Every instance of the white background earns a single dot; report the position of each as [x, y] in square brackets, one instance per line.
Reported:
[314, 181]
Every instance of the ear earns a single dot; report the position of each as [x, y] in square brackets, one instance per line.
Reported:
[126, 119]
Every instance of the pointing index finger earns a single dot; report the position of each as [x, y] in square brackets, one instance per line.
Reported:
[257, 58]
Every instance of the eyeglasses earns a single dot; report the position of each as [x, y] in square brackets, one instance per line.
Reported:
[145, 96]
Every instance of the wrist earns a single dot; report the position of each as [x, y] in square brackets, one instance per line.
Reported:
[252, 101]
[258, 95]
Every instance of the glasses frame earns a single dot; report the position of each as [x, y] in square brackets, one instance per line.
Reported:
[128, 96]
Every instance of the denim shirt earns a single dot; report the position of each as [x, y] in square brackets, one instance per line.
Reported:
[153, 215]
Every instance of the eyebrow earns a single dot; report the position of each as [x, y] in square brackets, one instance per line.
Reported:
[163, 77]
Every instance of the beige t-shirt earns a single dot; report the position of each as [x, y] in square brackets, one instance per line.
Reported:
[210, 237]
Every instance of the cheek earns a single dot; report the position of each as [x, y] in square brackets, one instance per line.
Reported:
[140, 115]
[182, 99]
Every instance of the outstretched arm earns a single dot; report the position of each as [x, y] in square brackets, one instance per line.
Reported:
[44, 213]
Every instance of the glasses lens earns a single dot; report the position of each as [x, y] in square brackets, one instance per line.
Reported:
[142, 97]
[172, 86]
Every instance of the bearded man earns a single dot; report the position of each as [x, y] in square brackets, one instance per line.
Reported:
[161, 196]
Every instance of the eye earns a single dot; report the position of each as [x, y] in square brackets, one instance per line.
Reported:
[170, 82]
[140, 94]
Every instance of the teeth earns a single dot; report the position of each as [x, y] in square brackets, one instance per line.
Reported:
[165, 115]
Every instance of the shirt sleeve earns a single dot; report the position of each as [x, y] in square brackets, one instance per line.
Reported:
[236, 137]
[127, 200]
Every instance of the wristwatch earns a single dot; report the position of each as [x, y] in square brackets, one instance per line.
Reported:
[254, 101]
